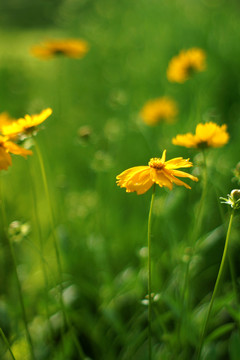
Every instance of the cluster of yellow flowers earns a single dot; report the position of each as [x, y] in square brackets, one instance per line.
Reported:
[162, 172]
[12, 131]
[180, 68]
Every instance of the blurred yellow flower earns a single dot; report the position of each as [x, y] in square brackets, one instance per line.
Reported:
[26, 125]
[207, 135]
[159, 171]
[73, 48]
[5, 119]
[7, 147]
[160, 109]
[185, 63]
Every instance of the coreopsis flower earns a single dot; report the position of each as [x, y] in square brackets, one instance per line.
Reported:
[207, 135]
[160, 109]
[27, 125]
[7, 147]
[182, 66]
[159, 171]
[73, 48]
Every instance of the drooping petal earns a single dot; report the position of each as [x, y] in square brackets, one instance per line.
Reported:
[15, 149]
[135, 179]
[176, 181]
[183, 174]
[5, 159]
[130, 172]
[144, 183]
[159, 177]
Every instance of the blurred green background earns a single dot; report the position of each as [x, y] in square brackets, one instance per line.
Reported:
[102, 230]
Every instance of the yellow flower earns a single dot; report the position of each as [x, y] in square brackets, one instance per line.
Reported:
[73, 48]
[207, 135]
[160, 109]
[185, 63]
[159, 171]
[5, 119]
[26, 125]
[7, 147]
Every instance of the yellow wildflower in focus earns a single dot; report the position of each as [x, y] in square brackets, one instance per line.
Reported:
[73, 48]
[207, 135]
[159, 171]
[185, 64]
[26, 125]
[7, 147]
[160, 109]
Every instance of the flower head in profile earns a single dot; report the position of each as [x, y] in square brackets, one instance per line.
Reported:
[7, 147]
[158, 171]
[73, 48]
[160, 109]
[207, 135]
[182, 66]
[27, 125]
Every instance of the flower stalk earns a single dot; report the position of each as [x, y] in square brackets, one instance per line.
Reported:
[150, 276]
[216, 285]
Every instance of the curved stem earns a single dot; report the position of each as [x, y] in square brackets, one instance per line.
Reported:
[41, 245]
[150, 277]
[216, 285]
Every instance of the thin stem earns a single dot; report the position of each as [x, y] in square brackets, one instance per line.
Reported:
[43, 262]
[29, 339]
[7, 343]
[57, 253]
[216, 285]
[150, 277]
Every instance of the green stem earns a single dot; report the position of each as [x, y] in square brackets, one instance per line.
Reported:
[150, 277]
[7, 343]
[216, 285]
[43, 262]
[29, 339]
[21, 299]
[57, 254]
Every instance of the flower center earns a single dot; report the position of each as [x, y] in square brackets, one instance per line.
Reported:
[202, 145]
[156, 163]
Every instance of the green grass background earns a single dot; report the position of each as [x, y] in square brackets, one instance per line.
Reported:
[102, 230]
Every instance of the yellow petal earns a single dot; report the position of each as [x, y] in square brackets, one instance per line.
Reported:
[5, 159]
[159, 177]
[15, 149]
[183, 174]
[178, 163]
